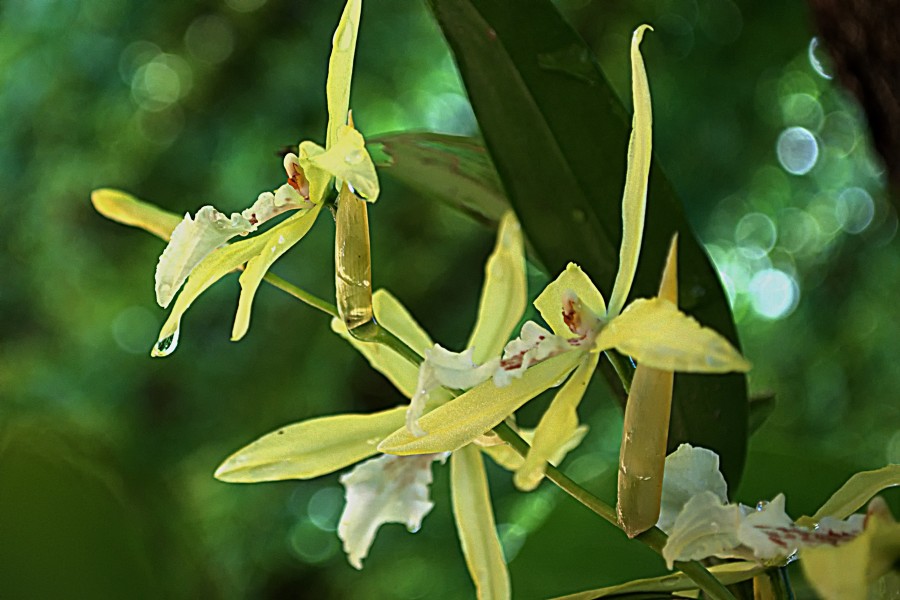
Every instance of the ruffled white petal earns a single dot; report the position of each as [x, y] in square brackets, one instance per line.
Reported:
[387, 489]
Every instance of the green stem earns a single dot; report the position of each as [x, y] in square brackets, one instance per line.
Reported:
[656, 539]
[301, 295]
[623, 368]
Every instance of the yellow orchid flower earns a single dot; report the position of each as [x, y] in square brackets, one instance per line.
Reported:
[395, 488]
[652, 331]
[198, 255]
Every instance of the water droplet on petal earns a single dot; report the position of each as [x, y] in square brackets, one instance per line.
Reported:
[761, 505]
[167, 345]
[345, 36]
[354, 158]
[280, 239]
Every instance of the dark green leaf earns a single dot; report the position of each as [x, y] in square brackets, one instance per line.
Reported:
[761, 408]
[453, 169]
[558, 137]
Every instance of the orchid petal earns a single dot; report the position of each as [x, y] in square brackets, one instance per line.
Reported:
[855, 493]
[534, 345]
[504, 455]
[259, 265]
[212, 268]
[634, 200]
[504, 295]
[347, 160]
[464, 418]
[474, 516]
[317, 177]
[550, 302]
[688, 472]
[387, 489]
[850, 571]
[310, 448]
[192, 241]
[657, 334]
[393, 316]
[443, 368]
[340, 69]
[557, 426]
[705, 527]
[645, 433]
[128, 210]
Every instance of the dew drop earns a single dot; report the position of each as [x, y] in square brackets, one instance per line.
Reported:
[354, 158]
[167, 345]
[761, 505]
[344, 37]
[280, 239]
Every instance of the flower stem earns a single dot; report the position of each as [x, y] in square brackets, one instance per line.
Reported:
[301, 295]
[656, 539]
[623, 367]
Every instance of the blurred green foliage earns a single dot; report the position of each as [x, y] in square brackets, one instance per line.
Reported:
[106, 455]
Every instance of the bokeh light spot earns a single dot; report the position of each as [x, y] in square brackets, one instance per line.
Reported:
[210, 38]
[245, 6]
[818, 59]
[854, 210]
[161, 82]
[134, 329]
[797, 150]
[755, 235]
[310, 543]
[324, 508]
[773, 293]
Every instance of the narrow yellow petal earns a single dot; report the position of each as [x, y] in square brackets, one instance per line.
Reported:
[352, 261]
[550, 302]
[634, 200]
[124, 208]
[393, 316]
[642, 456]
[474, 516]
[504, 295]
[311, 448]
[215, 266]
[259, 265]
[464, 418]
[340, 68]
[557, 426]
[659, 335]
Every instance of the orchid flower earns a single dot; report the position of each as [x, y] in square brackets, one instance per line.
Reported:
[395, 488]
[652, 331]
[701, 523]
[198, 255]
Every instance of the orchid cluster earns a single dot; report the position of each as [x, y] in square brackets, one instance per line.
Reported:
[457, 399]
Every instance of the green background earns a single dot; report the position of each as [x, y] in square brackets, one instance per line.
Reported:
[106, 455]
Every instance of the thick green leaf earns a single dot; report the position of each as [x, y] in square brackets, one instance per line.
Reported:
[452, 169]
[558, 136]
